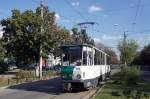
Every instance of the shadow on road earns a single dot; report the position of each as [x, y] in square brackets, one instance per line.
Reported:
[52, 86]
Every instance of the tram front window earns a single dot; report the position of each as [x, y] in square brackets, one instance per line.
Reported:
[72, 56]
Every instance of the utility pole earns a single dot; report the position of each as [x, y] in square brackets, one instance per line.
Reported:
[41, 60]
[125, 36]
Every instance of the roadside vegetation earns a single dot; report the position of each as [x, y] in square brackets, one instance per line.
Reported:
[25, 76]
[126, 84]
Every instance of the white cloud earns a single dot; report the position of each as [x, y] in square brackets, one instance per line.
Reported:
[110, 37]
[94, 8]
[57, 16]
[75, 3]
[97, 40]
[116, 24]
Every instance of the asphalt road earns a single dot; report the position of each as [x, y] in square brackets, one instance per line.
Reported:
[45, 89]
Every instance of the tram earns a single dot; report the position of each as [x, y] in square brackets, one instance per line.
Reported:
[82, 66]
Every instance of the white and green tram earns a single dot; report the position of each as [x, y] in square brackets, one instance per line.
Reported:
[83, 66]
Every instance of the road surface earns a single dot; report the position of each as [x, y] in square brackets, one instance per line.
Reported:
[45, 89]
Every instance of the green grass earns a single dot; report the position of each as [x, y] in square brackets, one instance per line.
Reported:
[114, 89]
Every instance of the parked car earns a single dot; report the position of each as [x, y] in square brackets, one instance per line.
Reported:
[12, 66]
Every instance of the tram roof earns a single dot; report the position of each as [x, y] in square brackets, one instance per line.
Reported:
[72, 45]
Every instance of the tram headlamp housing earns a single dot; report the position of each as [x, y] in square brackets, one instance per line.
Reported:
[78, 76]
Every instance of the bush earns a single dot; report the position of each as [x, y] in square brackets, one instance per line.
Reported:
[133, 76]
[22, 74]
[127, 92]
[130, 75]
[140, 94]
[48, 73]
[146, 95]
[135, 94]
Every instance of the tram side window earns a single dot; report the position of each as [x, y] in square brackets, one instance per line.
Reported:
[84, 58]
[102, 59]
[96, 58]
[99, 58]
[90, 58]
[108, 60]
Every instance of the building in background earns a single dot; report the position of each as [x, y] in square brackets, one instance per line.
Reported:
[1, 32]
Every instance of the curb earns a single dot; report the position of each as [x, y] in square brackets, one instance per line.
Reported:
[97, 91]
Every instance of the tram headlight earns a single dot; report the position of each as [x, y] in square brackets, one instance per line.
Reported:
[78, 76]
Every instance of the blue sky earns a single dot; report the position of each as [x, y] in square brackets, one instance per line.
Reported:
[113, 17]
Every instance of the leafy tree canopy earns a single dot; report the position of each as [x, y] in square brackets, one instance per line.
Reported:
[127, 49]
[2, 51]
[143, 57]
[23, 36]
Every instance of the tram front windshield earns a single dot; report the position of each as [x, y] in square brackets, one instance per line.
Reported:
[72, 56]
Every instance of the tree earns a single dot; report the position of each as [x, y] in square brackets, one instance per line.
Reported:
[112, 58]
[81, 37]
[143, 57]
[2, 51]
[127, 49]
[137, 59]
[3, 65]
[23, 38]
